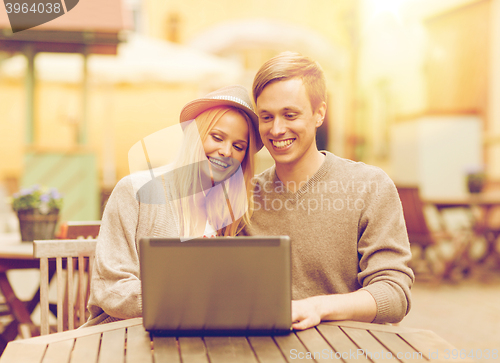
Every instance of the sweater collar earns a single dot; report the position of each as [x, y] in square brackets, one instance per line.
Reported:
[320, 173]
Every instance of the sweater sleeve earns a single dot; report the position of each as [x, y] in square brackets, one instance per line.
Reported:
[384, 251]
[116, 287]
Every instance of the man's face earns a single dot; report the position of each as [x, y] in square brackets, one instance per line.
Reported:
[287, 123]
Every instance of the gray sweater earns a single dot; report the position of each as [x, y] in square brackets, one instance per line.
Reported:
[347, 230]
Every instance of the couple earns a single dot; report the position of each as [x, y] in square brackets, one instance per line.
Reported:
[350, 249]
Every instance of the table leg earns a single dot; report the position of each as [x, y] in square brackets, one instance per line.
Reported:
[491, 256]
[491, 235]
[20, 310]
[17, 307]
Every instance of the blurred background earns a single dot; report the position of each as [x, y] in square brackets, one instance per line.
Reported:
[413, 87]
[83, 88]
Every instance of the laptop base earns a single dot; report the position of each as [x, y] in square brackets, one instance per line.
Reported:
[224, 332]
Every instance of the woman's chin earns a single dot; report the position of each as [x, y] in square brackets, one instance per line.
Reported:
[221, 175]
[217, 173]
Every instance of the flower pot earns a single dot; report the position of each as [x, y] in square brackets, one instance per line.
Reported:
[35, 225]
[475, 182]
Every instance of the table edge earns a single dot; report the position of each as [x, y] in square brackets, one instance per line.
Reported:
[80, 332]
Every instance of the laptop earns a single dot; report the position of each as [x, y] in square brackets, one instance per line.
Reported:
[216, 286]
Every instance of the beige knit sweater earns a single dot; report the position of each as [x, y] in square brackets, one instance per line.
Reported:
[116, 287]
[347, 230]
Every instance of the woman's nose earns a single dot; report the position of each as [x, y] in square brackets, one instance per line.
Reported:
[225, 150]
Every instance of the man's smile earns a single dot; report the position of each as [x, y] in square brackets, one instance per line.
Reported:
[281, 144]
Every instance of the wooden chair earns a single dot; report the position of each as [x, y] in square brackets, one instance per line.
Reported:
[65, 251]
[79, 229]
[440, 254]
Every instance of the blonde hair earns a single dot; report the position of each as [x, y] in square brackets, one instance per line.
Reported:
[236, 192]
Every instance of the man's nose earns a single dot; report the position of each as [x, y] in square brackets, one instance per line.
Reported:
[278, 127]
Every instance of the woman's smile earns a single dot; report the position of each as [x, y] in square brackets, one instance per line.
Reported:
[219, 163]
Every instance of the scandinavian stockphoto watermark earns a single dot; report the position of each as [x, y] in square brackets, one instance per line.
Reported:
[310, 205]
[26, 14]
[323, 196]
[169, 167]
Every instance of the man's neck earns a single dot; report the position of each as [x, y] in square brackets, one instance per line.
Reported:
[294, 175]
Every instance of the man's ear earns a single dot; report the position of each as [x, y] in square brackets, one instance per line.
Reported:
[320, 114]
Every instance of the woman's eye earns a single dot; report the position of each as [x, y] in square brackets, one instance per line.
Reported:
[238, 147]
[216, 138]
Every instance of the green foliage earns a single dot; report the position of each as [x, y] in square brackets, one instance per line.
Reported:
[36, 197]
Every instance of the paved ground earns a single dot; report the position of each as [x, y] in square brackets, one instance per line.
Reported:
[466, 314]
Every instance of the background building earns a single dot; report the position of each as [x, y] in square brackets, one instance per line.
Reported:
[391, 65]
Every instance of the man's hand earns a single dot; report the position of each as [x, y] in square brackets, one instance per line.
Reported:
[359, 306]
[305, 314]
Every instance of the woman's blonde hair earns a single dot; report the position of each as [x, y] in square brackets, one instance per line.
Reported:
[236, 192]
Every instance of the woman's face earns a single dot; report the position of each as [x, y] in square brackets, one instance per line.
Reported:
[225, 146]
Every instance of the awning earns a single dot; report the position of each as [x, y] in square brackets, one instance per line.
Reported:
[92, 27]
[138, 60]
[87, 27]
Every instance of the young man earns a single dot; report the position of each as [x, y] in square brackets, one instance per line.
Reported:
[350, 248]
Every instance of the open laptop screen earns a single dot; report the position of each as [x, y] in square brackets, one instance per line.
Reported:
[223, 285]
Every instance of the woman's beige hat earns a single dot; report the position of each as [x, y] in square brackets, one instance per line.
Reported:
[235, 96]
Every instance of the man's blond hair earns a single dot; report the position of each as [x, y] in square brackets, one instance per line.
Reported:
[289, 65]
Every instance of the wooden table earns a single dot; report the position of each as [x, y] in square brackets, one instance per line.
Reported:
[481, 205]
[127, 341]
[15, 254]
[485, 201]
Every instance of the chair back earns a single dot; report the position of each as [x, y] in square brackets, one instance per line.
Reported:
[82, 250]
[413, 210]
[79, 229]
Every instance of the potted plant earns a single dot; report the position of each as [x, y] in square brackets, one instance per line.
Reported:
[475, 182]
[475, 179]
[38, 212]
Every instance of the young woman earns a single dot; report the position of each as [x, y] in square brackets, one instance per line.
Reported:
[205, 192]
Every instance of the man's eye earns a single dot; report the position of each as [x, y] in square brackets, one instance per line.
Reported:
[265, 118]
[291, 115]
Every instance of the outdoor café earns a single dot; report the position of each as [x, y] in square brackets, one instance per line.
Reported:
[166, 197]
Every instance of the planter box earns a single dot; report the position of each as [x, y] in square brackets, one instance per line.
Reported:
[35, 225]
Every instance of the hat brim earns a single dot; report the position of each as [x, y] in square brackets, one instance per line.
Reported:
[200, 105]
